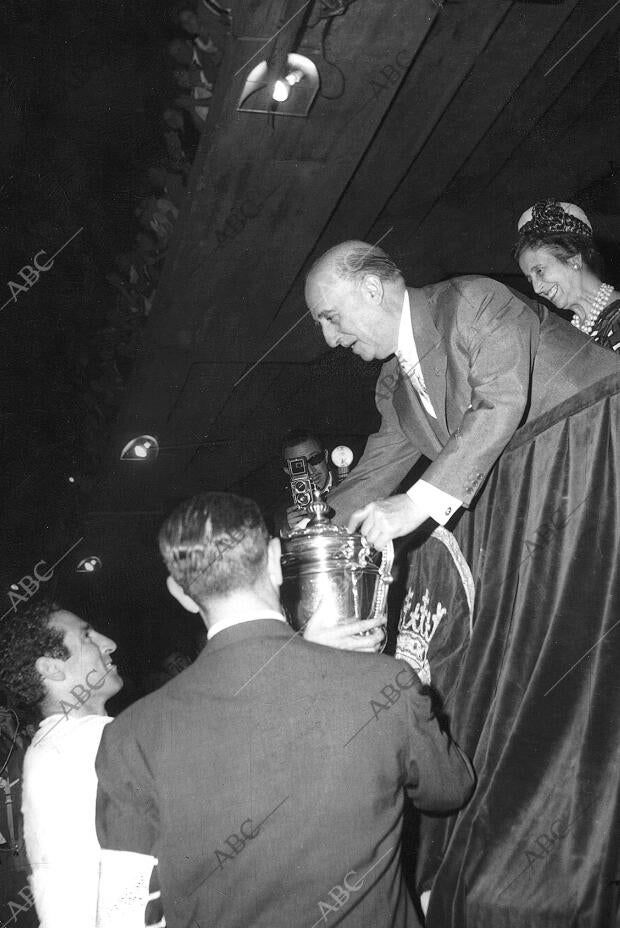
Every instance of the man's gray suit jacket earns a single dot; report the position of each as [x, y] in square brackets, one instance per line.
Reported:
[491, 360]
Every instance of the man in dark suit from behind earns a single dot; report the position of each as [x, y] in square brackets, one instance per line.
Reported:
[268, 780]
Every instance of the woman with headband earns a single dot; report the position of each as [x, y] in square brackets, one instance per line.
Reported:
[557, 254]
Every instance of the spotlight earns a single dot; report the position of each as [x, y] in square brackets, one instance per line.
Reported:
[71, 479]
[89, 565]
[294, 91]
[142, 448]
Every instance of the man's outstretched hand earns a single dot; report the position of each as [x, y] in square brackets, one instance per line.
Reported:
[347, 636]
[386, 519]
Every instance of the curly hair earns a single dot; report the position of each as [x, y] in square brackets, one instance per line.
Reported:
[563, 246]
[25, 636]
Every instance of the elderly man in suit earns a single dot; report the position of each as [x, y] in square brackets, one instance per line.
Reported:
[472, 362]
[269, 778]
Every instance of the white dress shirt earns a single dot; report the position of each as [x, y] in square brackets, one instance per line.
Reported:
[407, 354]
[58, 805]
[440, 506]
[228, 623]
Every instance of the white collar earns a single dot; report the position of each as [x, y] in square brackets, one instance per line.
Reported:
[228, 623]
[408, 358]
[406, 341]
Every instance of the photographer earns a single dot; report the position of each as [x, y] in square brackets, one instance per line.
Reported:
[299, 443]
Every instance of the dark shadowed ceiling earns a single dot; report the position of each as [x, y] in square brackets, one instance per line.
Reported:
[436, 125]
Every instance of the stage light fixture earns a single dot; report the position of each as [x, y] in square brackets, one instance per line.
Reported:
[88, 565]
[142, 448]
[293, 93]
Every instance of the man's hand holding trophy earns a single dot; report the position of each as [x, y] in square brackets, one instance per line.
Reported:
[335, 585]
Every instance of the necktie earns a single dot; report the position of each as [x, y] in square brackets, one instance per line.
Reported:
[414, 373]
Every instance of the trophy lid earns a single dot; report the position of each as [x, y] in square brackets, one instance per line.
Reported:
[322, 543]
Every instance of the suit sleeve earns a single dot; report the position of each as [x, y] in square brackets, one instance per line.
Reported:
[387, 459]
[127, 813]
[438, 775]
[127, 828]
[498, 337]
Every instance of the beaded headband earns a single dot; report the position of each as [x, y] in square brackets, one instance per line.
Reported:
[552, 216]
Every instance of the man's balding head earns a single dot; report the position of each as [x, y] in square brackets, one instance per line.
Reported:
[355, 292]
[351, 261]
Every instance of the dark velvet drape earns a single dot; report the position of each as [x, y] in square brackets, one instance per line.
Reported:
[534, 693]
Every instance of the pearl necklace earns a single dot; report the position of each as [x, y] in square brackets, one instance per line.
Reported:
[600, 302]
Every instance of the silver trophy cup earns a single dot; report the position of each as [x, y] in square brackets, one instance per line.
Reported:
[331, 573]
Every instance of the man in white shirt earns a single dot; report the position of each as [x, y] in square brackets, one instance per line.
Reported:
[468, 362]
[54, 659]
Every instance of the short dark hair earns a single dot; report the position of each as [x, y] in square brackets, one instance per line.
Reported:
[26, 635]
[363, 259]
[564, 246]
[214, 544]
[296, 436]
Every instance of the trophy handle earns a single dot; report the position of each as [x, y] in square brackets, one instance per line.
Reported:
[385, 578]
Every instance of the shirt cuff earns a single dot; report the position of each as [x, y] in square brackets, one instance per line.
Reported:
[439, 505]
[124, 878]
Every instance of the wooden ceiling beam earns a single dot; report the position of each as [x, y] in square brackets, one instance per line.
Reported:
[525, 44]
[563, 159]
[520, 145]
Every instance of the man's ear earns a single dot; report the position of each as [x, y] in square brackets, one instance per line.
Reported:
[177, 591]
[274, 566]
[50, 668]
[373, 288]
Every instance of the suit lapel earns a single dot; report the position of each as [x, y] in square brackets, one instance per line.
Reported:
[413, 419]
[433, 358]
